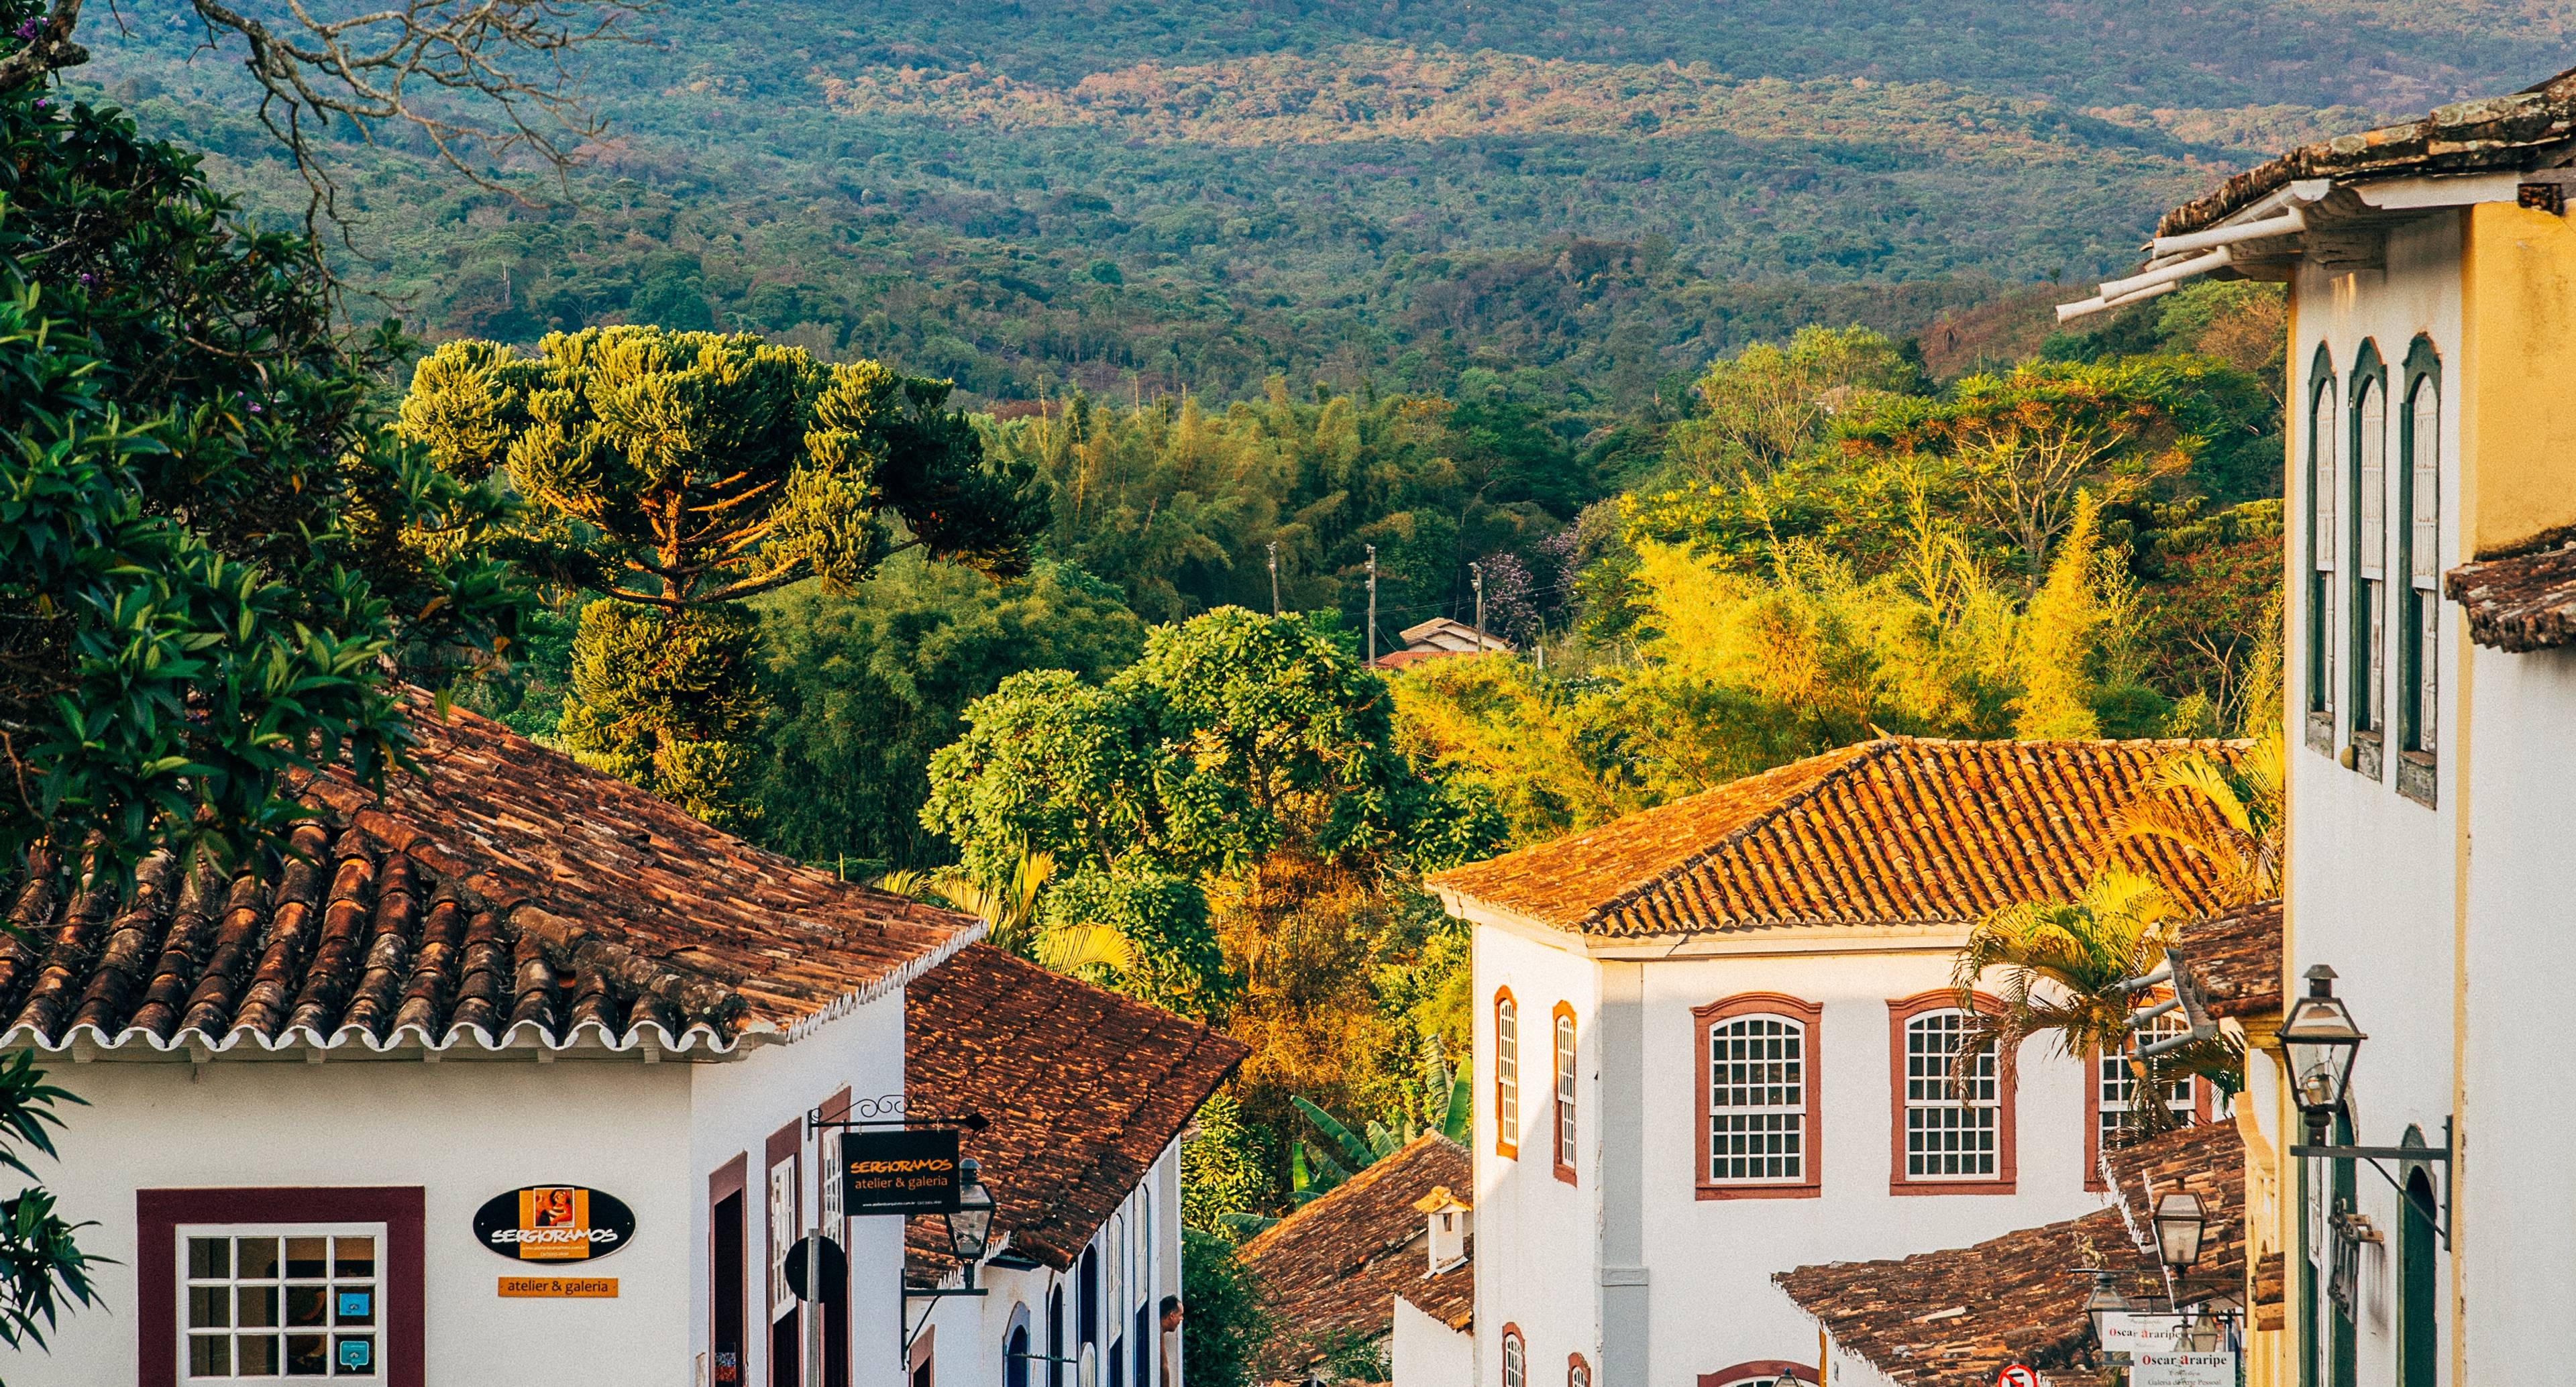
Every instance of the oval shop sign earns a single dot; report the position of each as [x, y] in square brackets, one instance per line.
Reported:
[554, 1223]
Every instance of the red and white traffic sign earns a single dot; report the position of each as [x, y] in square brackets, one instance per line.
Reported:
[2016, 1376]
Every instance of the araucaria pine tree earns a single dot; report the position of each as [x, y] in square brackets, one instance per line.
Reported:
[675, 474]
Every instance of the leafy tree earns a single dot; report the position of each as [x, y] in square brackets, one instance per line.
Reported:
[209, 545]
[864, 686]
[1771, 404]
[679, 473]
[1224, 1173]
[1011, 910]
[42, 1271]
[1226, 1321]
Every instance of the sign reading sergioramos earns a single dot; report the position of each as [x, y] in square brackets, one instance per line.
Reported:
[554, 1223]
[912, 1171]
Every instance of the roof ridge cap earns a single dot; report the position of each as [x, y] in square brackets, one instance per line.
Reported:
[1855, 755]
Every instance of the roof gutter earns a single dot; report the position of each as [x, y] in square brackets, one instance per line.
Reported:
[2164, 279]
[2286, 223]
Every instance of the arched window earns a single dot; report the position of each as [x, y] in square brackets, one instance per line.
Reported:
[2368, 589]
[1758, 1097]
[1055, 1338]
[1507, 1074]
[1953, 1128]
[1565, 1091]
[1015, 1349]
[2323, 544]
[2418, 652]
[1577, 1372]
[1089, 1309]
[1515, 1358]
[2418, 1336]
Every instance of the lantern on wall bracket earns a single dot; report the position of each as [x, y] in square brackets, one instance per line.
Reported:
[2104, 1302]
[2181, 1222]
[2319, 1041]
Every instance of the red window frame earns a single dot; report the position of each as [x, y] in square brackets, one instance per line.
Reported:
[1566, 1070]
[1808, 1014]
[159, 1214]
[2093, 1116]
[1901, 1010]
[1512, 1339]
[1577, 1372]
[1507, 1137]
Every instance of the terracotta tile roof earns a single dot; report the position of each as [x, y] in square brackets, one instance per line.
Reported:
[1956, 1318]
[2526, 129]
[1898, 831]
[1084, 1090]
[1335, 1266]
[1398, 659]
[2235, 960]
[504, 896]
[2522, 603]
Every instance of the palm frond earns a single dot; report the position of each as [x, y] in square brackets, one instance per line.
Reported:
[1072, 948]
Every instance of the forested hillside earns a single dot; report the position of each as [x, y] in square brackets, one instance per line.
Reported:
[1187, 197]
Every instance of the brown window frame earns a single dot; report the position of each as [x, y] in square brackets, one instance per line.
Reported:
[1577, 1372]
[732, 1180]
[786, 1145]
[159, 1214]
[2005, 1180]
[1562, 1109]
[1507, 1137]
[1512, 1337]
[1811, 1015]
[2093, 1116]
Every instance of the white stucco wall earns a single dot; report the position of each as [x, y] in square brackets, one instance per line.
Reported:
[2516, 1202]
[1538, 1239]
[462, 1131]
[1427, 1353]
[2372, 883]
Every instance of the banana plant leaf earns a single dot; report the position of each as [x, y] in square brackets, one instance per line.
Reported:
[1355, 1152]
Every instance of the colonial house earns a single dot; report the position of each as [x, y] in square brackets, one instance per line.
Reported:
[1085, 1095]
[505, 1070]
[1717, 1038]
[1382, 1263]
[2432, 777]
[1961, 1316]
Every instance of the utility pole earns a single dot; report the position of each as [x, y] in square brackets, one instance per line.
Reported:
[1476, 575]
[1372, 636]
[1274, 577]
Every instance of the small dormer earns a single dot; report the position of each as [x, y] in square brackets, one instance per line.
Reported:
[1449, 1219]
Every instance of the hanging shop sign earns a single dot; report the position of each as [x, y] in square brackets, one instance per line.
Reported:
[910, 1170]
[2150, 1368]
[554, 1223]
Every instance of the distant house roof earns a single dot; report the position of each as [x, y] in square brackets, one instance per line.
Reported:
[2535, 126]
[2235, 960]
[1901, 831]
[1398, 659]
[2520, 603]
[1084, 1090]
[1956, 1318]
[506, 896]
[1442, 634]
[1334, 1267]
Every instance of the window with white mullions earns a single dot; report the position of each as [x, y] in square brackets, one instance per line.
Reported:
[2419, 656]
[1952, 1130]
[1757, 1101]
[1507, 1075]
[1565, 1092]
[281, 1303]
[2370, 557]
[2118, 1080]
[2324, 437]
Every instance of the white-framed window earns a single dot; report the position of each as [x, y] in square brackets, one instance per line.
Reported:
[1515, 1360]
[1565, 1090]
[1951, 1132]
[2370, 557]
[784, 1178]
[1757, 1101]
[2324, 438]
[1507, 1075]
[281, 1302]
[2116, 1090]
[2423, 564]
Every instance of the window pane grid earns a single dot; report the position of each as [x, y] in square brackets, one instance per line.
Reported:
[281, 1304]
[2370, 559]
[2117, 1085]
[1565, 1090]
[2322, 541]
[1951, 1130]
[1507, 1070]
[2423, 566]
[1757, 1100]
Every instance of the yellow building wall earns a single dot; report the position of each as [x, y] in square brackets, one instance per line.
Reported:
[2518, 292]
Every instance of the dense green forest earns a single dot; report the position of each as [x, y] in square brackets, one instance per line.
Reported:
[1187, 198]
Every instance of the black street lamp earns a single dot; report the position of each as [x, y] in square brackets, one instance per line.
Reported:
[2103, 1303]
[2180, 1223]
[970, 1224]
[2319, 1039]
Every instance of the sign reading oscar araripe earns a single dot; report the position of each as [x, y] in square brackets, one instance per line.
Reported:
[554, 1223]
[912, 1171]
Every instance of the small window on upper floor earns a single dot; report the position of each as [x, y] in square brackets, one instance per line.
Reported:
[1565, 1091]
[1515, 1359]
[1954, 1118]
[1507, 1075]
[2369, 581]
[1758, 1097]
[2419, 657]
[2323, 543]
[1577, 1372]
